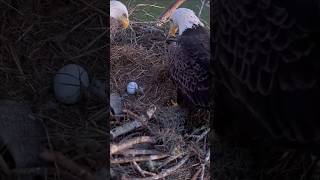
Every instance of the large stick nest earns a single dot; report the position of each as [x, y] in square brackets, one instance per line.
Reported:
[140, 54]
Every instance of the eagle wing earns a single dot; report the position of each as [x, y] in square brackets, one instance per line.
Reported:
[189, 67]
[263, 46]
[267, 55]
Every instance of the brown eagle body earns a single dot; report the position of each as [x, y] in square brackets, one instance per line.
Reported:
[189, 63]
[267, 69]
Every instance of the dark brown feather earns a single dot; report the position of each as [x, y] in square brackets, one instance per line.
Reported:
[266, 59]
[189, 63]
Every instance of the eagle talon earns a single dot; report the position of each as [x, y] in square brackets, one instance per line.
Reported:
[173, 103]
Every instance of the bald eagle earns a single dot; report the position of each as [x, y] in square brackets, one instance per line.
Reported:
[189, 58]
[119, 17]
[266, 69]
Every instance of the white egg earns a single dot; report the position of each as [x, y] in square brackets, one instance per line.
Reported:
[132, 87]
[68, 83]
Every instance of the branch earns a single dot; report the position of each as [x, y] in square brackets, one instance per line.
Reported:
[141, 171]
[39, 171]
[63, 161]
[137, 123]
[165, 172]
[114, 148]
[134, 152]
[196, 175]
[202, 4]
[138, 159]
[166, 14]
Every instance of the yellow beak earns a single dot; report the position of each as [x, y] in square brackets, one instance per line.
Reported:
[125, 22]
[173, 30]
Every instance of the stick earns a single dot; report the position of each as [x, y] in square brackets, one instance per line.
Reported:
[114, 148]
[136, 165]
[165, 172]
[166, 14]
[202, 4]
[137, 123]
[137, 159]
[168, 160]
[125, 128]
[195, 176]
[4, 166]
[4, 2]
[135, 152]
[39, 171]
[34, 171]
[141, 171]
[203, 135]
[203, 165]
[63, 161]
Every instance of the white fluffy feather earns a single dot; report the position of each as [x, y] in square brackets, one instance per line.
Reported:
[185, 18]
[117, 9]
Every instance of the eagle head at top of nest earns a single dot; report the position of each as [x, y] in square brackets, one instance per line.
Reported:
[119, 12]
[183, 19]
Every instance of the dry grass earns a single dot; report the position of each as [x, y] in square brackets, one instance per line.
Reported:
[38, 38]
[145, 65]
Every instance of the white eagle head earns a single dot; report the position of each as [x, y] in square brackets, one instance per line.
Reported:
[120, 12]
[182, 19]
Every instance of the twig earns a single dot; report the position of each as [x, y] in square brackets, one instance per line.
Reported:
[139, 168]
[202, 4]
[135, 152]
[203, 165]
[16, 60]
[306, 173]
[39, 171]
[129, 143]
[165, 172]
[167, 13]
[137, 159]
[169, 159]
[9, 5]
[195, 176]
[132, 114]
[207, 159]
[63, 161]
[137, 123]
[25, 32]
[141, 171]
[4, 166]
[125, 128]
[90, 44]
[95, 8]
[201, 136]
[151, 5]
[49, 144]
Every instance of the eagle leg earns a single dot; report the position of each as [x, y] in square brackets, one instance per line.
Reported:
[180, 97]
[179, 100]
